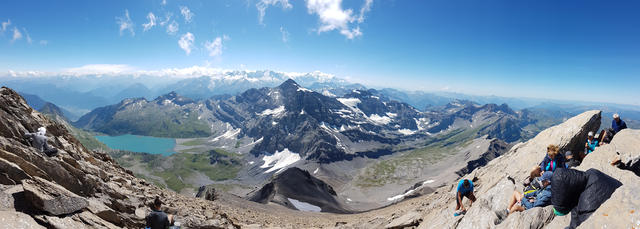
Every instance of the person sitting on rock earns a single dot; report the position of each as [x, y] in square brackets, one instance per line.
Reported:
[532, 182]
[465, 188]
[571, 162]
[605, 136]
[39, 141]
[523, 201]
[580, 193]
[552, 160]
[157, 219]
[591, 143]
[632, 165]
[617, 124]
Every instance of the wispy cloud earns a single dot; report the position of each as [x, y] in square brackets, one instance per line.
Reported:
[164, 2]
[125, 23]
[285, 34]
[186, 42]
[17, 35]
[333, 17]
[152, 22]
[262, 6]
[172, 28]
[99, 69]
[186, 13]
[26, 33]
[5, 25]
[44, 42]
[215, 47]
[167, 18]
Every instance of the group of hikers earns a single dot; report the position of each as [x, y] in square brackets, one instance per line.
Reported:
[553, 182]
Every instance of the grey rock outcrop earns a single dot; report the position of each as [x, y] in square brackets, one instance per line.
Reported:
[51, 197]
[13, 219]
[207, 192]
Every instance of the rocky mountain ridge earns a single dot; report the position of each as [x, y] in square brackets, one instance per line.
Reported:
[78, 188]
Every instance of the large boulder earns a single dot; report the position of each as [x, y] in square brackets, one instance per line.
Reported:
[621, 209]
[52, 198]
[13, 219]
[207, 192]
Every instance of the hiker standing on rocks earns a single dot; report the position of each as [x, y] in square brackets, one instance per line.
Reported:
[538, 198]
[580, 193]
[591, 143]
[39, 141]
[157, 219]
[617, 124]
[465, 188]
[552, 160]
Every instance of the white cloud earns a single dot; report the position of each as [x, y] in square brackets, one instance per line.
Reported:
[27, 36]
[172, 28]
[186, 13]
[333, 17]
[215, 47]
[125, 23]
[285, 34]
[44, 42]
[91, 69]
[151, 23]
[17, 35]
[186, 42]
[167, 17]
[262, 6]
[164, 2]
[5, 25]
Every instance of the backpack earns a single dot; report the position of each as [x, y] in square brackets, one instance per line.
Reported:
[533, 186]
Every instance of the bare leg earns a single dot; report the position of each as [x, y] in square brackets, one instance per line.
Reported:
[516, 208]
[514, 198]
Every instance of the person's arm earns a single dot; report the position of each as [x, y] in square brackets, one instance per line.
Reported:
[459, 196]
[29, 135]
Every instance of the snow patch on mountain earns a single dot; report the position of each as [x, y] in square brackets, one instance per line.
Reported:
[275, 112]
[407, 131]
[228, 135]
[279, 160]
[304, 206]
[350, 102]
[380, 120]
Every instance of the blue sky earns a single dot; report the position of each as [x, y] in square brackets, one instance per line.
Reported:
[582, 50]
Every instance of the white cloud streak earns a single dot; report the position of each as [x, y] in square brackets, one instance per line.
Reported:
[27, 36]
[285, 34]
[262, 6]
[97, 69]
[17, 35]
[186, 13]
[164, 2]
[215, 46]
[152, 22]
[333, 17]
[44, 42]
[125, 23]
[172, 28]
[5, 25]
[186, 42]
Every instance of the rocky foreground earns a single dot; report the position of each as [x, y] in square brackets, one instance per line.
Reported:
[85, 189]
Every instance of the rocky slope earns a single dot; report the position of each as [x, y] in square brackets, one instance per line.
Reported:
[298, 189]
[78, 188]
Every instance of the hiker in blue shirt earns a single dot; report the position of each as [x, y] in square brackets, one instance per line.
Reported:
[617, 124]
[539, 198]
[465, 188]
[591, 143]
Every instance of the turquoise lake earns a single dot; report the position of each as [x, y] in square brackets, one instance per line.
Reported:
[138, 143]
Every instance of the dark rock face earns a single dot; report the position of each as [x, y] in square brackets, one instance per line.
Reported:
[496, 148]
[207, 193]
[299, 185]
[52, 198]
